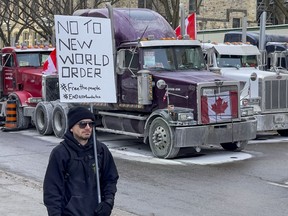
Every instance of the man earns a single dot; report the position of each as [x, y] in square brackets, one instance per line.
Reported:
[70, 185]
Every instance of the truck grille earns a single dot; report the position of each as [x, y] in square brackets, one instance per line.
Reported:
[275, 94]
[219, 104]
[51, 92]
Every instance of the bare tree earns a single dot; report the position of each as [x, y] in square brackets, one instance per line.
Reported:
[96, 3]
[281, 12]
[36, 16]
[168, 9]
[277, 11]
[10, 31]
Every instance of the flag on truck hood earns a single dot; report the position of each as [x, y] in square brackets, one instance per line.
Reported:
[219, 107]
[190, 23]
[50, 65]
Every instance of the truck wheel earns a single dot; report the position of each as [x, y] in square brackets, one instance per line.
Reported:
[161, 139]
[283, 132]
[22, 121]
[43, 118]
[59, 119]
[235, 146]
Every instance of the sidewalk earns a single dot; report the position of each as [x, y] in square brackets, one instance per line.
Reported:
[21, 196]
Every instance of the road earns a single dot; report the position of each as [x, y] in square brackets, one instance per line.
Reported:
[213, 182]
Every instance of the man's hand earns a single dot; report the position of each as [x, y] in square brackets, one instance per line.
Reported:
[103, 209]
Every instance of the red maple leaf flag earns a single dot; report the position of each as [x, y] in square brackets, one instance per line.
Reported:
[220, 107]
[190, 23]
[50, 65]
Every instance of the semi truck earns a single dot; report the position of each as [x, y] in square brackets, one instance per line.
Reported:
[165, 95]
[276, 48]
[21, 81]
[263, 93]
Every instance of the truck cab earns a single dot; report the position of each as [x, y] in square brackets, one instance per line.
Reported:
[158, 58]
[21, 79]
[277, 56]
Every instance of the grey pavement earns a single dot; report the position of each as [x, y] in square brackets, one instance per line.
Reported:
[22, 196]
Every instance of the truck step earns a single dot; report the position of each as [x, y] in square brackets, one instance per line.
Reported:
[119, 132]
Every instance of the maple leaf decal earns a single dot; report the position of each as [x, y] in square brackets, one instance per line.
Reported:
[220, 106]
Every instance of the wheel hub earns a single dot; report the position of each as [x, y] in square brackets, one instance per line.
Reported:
[160, 137]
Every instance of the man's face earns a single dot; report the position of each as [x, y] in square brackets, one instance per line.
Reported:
[82, 130]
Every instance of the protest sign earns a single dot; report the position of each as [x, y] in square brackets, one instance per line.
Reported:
[85, 59]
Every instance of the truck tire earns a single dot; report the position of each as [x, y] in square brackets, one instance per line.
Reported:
[235, 146]
[161, 139]
[59, 119]
[23, 122]
[43, 118]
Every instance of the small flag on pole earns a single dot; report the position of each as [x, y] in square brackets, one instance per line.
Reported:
[190, 23]
[50, 65]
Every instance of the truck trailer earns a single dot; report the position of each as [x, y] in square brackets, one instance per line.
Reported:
[165, 95]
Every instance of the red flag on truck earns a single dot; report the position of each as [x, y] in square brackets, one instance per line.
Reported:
[190, 23]
[218, 108]
[50, 65]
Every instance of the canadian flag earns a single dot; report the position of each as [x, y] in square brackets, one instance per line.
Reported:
[219, 107]
[190, 23]
[50, 65]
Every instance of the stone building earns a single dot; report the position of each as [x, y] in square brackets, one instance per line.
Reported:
[213, 14]
[217, 14]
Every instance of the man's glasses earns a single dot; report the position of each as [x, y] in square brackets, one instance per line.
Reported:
[83, 124]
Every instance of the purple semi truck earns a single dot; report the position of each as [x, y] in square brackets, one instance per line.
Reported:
[165, 95]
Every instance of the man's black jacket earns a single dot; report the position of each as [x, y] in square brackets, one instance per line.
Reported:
[70, 186]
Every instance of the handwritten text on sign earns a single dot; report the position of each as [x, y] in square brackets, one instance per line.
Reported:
[85, 59]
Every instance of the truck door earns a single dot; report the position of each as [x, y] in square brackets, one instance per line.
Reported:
[127, 81]
[9, 73]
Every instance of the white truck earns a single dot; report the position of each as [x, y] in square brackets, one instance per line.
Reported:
[264, 93]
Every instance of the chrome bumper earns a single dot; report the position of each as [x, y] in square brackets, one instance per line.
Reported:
[216, 134]
[274, 121]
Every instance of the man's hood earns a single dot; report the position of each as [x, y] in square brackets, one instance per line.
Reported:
[74, 144]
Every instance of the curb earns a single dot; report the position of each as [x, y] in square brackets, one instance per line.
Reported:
[20, 195]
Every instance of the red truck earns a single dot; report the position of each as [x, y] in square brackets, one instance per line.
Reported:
[164, 93]
[21, 80]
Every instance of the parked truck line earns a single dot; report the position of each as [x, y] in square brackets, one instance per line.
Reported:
[164, 93]
[263, 91]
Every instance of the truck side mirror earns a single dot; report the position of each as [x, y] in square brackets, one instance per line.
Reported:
[120, 67]
[161, 84]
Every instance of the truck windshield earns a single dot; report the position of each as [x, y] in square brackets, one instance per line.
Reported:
[32, 59]
[237, 61]
[173, 58]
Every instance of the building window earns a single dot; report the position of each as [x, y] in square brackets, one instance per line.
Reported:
[236, 23]
[26, 37]
[192, 6]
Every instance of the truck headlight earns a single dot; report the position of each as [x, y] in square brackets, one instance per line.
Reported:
[247, 111]
[34, 100]
[251, 101]
[254, 101]
[185, 116]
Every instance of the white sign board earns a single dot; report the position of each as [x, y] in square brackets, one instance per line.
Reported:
[85, 59]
